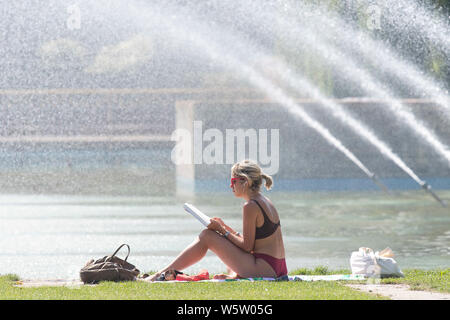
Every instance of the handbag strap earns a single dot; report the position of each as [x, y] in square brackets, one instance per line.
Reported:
[121, 248]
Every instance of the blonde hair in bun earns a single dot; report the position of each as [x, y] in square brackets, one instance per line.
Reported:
[252, 172]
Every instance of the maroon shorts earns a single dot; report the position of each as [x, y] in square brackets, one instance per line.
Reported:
[278, 265]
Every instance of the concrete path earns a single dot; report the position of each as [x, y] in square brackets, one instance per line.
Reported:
[48, 283]
[400, 292]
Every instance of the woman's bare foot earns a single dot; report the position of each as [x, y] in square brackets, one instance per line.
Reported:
[223, 276]
[229, 275]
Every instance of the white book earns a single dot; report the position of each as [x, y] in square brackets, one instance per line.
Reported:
[203, 218]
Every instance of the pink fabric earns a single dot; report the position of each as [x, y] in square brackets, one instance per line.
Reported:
[278, 265]
[203, 275]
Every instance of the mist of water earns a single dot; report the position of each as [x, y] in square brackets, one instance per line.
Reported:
[369, 47]
[331, 26]
[302, 84]
[414, 19]
[337, 110]
[223, 55]
[309, 31]
[193, 35]
[370, 85]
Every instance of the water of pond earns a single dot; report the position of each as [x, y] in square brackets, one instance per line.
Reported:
[53, 236]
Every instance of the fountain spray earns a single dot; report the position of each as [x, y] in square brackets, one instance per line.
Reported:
[298, 82]
[275, 93]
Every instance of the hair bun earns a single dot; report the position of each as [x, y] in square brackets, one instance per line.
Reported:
[269, 181]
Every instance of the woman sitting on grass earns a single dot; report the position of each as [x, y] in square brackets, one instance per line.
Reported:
[259, 251]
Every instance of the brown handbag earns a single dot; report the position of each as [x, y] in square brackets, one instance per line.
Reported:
[109, 268]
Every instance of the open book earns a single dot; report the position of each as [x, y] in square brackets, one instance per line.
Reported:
[203, 218]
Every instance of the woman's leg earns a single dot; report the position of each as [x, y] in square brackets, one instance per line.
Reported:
[192, 254]
[241, 262]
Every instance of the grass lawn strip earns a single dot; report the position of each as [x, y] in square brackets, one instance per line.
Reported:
[436, 281]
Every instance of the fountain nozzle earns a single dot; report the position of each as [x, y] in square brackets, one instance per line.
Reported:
[428, 189]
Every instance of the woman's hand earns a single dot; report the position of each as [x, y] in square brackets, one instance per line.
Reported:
[220, 222]
[216, 224]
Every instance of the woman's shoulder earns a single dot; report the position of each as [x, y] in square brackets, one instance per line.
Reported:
[250, 208]
[266, 201]
[263, 203]
[269, 207]
[250, 204]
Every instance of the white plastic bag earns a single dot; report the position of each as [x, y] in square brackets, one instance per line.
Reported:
[388, 266]
[378, 264]
[363, 262]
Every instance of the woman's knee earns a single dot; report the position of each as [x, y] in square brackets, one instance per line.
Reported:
[206, 235]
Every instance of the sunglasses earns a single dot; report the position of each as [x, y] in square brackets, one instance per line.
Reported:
[233, 181]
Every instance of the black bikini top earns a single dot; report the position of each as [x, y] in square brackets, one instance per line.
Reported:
[268, 227]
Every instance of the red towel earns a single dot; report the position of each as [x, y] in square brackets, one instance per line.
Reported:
[203, 275]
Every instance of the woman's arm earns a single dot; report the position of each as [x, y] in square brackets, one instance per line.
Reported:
[247, 241]
[226, 227]
[250, 212]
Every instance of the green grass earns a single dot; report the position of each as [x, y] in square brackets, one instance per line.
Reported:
[188, 291]
[319, 271]
[437, 280]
